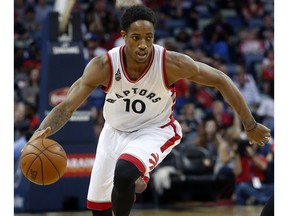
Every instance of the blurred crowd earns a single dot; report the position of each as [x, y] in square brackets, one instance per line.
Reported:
[234, 36]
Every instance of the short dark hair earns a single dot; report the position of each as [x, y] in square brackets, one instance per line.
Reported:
[137, 12]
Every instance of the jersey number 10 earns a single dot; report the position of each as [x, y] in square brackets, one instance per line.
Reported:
[137, 106]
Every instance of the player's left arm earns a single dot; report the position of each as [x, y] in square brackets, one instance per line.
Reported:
[180, 66]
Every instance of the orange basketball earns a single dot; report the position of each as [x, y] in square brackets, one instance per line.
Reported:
[43, 161]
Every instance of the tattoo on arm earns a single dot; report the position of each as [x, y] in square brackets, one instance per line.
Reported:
[56, 119]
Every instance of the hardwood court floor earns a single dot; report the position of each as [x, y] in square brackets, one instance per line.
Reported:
[197, 211]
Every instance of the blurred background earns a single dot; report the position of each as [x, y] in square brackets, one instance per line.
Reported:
[213, 165]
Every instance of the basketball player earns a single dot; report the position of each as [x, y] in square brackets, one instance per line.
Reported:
[139, 129]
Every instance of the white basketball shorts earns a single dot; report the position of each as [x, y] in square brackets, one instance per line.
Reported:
[145, 148]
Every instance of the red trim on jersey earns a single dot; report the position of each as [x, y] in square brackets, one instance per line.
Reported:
[126, 74]
[171, 88]
[173, 139]
[173, 96]
[98, 205]
[106, 88]
[133, 160]
[164, 69]
[170, 122]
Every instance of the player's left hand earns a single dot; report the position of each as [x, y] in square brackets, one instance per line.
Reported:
[260, 134]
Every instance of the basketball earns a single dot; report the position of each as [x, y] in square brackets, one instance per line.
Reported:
[43, 161]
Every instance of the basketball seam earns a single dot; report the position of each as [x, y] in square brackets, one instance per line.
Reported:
[47, 149]
[51, 161]
[31, 163]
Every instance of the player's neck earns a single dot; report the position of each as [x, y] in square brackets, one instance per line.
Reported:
[133, 68]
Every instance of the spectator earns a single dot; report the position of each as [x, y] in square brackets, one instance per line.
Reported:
[172, 13]
[182, 94]
[251, 10]
[196, 42]
[265, 111]
[266, 32]
[202, 8]
[219, 112]
[19, 9]
[267, 66]
[208, 137]
[190, 118]
[203, 96]
[182, 37]
[24, 136]
[250, 43]
[250, 170]
[218, 29]
[218, 36]
[226, 151]
[31, 115]
[42, 9]
[19, 118]
[247, 85]
[31, 24]
[251, 49]
[93, 47]
[30, 92]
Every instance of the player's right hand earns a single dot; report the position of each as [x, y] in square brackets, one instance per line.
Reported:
[40, 134]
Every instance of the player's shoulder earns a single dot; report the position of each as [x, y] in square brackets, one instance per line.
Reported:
[97, 63]
[174, 57]
[115, 50]
[179, 66]
[97, 71]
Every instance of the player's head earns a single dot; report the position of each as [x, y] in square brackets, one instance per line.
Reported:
[138, 27]
[135, 13]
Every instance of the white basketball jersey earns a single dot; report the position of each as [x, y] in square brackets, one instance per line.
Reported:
[131, 105]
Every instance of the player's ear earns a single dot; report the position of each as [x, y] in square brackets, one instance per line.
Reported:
[123, 34]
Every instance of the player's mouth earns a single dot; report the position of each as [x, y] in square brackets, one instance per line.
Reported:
[141, 55]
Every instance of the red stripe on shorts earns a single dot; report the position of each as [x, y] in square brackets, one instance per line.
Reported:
[172, 140]
[134, 160]
[146, 179]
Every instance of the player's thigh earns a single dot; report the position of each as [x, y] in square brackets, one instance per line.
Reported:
[101, 181]
[152, 146]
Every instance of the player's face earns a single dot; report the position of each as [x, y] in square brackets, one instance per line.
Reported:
[139, 39]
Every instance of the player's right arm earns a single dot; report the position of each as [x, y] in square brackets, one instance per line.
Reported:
[96, 73]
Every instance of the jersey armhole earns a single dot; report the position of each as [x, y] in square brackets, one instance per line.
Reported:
[106, 88]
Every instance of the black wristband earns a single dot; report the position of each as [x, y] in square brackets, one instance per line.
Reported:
[252, 129]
